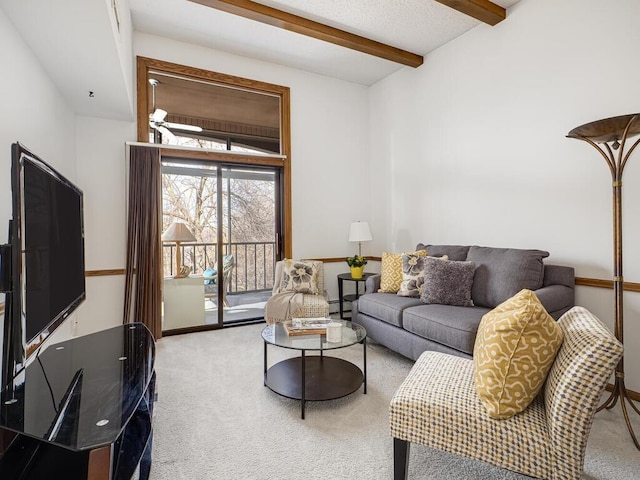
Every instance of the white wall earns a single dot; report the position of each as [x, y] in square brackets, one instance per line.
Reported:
[329, 144]
[472, 144]
[33, 113]
[100, 150]
[122, 29]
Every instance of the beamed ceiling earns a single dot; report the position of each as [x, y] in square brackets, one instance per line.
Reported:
[360, 41]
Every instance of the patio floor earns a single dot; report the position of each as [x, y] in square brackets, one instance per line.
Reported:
[243, 306]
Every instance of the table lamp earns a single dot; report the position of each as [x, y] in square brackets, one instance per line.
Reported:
[360, 232]
[178, 232]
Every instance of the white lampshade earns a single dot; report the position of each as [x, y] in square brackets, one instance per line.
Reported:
[360, 232]
[178, 232]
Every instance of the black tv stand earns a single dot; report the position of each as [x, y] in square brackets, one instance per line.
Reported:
[83, 409]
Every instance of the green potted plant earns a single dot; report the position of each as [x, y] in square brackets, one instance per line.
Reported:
[356, 264]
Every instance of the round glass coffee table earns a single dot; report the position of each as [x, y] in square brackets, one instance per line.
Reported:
[314, 377]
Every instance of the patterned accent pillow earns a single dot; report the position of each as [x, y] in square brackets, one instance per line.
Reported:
[413, 274]
[299, 276]
[448, 283]
[391, 271]
[515, 347]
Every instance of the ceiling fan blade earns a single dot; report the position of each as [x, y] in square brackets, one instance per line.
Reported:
[158, 115]
[182, 126]
[166, 133]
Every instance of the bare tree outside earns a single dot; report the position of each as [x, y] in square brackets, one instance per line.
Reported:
[248, 222]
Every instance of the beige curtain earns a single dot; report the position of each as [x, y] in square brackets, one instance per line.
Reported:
[143, 283]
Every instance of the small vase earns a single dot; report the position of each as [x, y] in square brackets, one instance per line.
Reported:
[356, 272]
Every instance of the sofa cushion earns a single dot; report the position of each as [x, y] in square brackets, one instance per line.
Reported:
[391, 271]
[454, 327]
[448, 283]
[516, 345]
[503, 272]
[387, 307]
[457, 253]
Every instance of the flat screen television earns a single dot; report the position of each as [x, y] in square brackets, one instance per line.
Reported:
[46, 247]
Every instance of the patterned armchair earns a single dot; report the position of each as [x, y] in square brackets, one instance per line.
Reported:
[311, 305]
[437, 406]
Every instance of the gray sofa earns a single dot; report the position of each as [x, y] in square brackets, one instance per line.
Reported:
[410, 327]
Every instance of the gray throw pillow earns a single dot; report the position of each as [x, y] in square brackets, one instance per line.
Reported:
[413, 267]
[448, 283]
[503, 272]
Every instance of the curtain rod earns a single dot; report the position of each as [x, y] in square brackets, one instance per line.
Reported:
[206, 150]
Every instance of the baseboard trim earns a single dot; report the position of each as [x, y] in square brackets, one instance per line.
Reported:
[632, 395]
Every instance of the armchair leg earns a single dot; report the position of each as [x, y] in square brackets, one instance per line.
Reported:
[400, 459]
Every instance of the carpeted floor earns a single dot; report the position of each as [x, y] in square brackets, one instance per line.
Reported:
[215, 420]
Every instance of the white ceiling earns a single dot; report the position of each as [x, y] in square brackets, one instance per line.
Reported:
[75, 41]
[418, 26]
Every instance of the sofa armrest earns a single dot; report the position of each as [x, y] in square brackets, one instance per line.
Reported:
[372, 284]
[559, 275]
[556, 299]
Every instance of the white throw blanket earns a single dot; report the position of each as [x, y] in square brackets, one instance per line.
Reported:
[282, 306]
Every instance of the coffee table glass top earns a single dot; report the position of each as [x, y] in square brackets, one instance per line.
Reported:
[277, 335]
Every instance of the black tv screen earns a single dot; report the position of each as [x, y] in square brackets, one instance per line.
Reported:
[51, 237]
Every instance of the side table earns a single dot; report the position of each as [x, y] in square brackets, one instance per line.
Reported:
[349, 297]
[183, 302]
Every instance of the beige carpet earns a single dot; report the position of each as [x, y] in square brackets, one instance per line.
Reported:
[215, 420]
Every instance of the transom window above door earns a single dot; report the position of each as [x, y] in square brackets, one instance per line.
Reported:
[204, 114]
[208, 116]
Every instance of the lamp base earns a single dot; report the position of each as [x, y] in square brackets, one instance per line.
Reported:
[619, 392]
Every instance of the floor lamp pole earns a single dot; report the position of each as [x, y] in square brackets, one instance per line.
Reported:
[613, 131]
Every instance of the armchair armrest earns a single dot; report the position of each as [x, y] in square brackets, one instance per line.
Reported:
[372, 284]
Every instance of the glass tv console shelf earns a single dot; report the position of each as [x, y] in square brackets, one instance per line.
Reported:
[83, 409]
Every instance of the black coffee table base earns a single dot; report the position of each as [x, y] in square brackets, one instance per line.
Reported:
[324, 378]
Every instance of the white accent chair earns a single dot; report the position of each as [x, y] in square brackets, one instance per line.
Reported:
[313, 306]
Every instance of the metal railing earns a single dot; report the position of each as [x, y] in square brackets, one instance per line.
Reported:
[254, 262]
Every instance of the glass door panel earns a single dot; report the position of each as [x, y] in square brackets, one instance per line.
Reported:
[233, 213]
[249, 230]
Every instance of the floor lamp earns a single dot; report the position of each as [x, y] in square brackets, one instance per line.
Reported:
[612, 134]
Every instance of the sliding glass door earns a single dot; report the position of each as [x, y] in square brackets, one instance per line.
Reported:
[234, 214]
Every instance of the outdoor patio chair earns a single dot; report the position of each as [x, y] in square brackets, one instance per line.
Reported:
[211, 281]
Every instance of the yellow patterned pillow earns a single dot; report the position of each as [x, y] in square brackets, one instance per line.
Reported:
[516, 345]
[391, 270]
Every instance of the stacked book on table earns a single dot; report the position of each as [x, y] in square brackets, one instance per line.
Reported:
[307, 326]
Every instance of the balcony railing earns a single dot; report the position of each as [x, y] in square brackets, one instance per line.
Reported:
[254, 262]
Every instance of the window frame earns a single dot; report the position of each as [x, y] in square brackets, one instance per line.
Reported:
[145, 64]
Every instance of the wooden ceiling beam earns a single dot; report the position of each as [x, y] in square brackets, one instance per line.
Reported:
[483, 10]
[294, 23]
